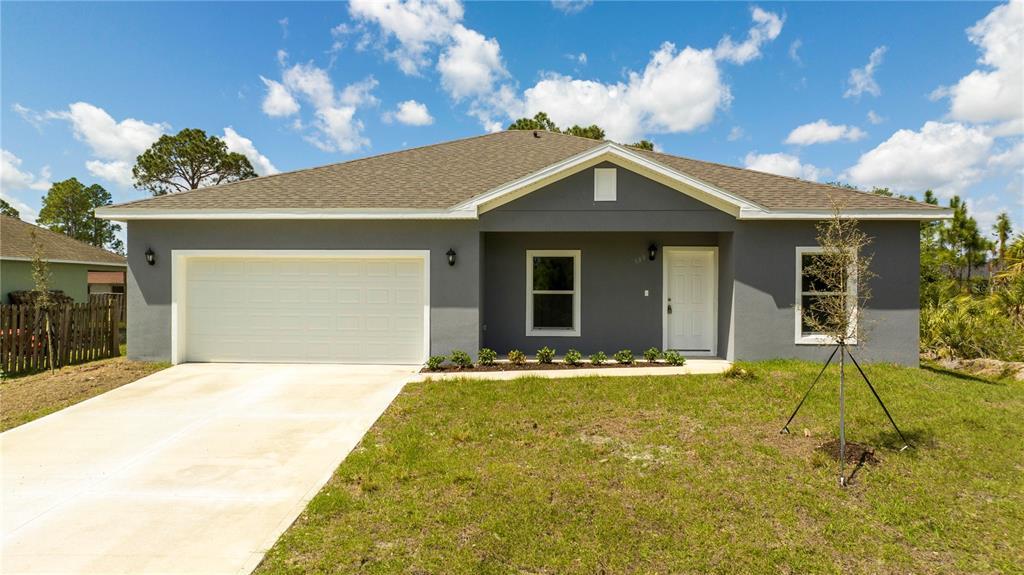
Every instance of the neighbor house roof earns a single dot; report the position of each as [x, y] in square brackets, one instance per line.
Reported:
[452, 175]
[16, 244]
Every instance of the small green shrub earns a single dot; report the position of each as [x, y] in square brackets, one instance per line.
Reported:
[674, 358]
[598, 357]
[738, 373]
[545, 355]
[461, 359]
[487, 356]
[573, 357]
[435, 362]
[516, 357]
[624, 356]
[652, 354]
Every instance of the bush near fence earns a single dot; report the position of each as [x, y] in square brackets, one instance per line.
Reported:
[79, 332]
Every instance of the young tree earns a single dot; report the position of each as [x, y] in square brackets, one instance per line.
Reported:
[188, 160]
[8, 210]
[1003, 230]
[841, 276]
[68, 209]
[42, 300]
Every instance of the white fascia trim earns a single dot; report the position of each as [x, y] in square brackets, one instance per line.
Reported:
[929, 215]
[611, 151]
[80, 262]
[297, 214]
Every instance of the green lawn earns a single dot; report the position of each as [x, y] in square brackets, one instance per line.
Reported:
[674, 475]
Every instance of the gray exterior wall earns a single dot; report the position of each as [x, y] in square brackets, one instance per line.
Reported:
[481, 300]
[454, 291]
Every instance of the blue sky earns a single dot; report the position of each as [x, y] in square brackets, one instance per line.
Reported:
[904, 95]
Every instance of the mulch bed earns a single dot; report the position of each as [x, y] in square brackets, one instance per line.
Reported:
[504, 366]
[856, 454]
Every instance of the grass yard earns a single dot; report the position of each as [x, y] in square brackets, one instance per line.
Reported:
[674, 475]
[29, 397]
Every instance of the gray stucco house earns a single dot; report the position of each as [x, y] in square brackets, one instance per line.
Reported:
[517, 239]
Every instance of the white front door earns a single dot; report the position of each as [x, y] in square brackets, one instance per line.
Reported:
[690, 299]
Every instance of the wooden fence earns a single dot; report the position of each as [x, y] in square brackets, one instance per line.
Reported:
[79, 332]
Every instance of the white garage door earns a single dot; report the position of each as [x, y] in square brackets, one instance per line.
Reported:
[304, 309]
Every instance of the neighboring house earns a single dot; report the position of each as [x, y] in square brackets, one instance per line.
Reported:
[517, 239]
[71, 262]
[106, 283]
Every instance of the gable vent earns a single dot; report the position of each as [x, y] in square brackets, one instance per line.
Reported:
[604, 185]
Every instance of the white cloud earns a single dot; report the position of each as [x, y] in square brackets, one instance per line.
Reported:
[767, 26]
[114, 144]
[678, 91]
[862, 80]
[735, 134]
[335, 127]
[410, 113]
[283, 22]
[996, 92]
[822, 131]
[580, 58]
[242, 145]
[874, 118]
[279, 101]
[417, 25]
[471, 64]
[1010, 159]
[571, 6]
[13, 178]
[945, 157]
[794, 50]
[784, 165]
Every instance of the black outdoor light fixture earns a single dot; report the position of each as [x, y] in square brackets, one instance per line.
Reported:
[652, 252]
[150, 256]
[451, 256]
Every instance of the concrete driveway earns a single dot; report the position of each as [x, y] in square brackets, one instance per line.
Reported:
[195, 469]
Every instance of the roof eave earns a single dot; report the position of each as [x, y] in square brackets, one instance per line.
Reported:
[858, 214]
[130, 214]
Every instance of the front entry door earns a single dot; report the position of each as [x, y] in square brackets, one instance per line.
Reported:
[690, 312]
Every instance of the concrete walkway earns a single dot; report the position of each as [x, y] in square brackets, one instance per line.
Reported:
[195, 469]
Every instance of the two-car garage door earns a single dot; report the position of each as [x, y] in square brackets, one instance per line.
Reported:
[308, 308]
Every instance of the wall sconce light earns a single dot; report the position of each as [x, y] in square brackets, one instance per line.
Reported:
[652, 252]
[451, 257]
[150, 256]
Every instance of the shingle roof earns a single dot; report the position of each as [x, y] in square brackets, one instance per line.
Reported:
[16, 242]
[439, 176]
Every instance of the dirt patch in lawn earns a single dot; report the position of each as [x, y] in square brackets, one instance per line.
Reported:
[33, 396]
[532, 366]
[856, 454]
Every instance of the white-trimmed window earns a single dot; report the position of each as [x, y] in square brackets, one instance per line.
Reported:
[807, 291]
[553, 292]
[604, 184]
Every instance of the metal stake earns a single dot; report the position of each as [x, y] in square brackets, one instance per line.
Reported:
[785, 428]
[842, 415]
[906, 443]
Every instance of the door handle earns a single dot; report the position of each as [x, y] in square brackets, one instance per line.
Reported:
[669, 308]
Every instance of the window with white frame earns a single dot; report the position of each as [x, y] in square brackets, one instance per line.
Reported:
[553, 292]
[808, 290]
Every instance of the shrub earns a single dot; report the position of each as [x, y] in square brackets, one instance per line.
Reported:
[674, 358]
[624, 356]
[461, 359]
[598, 357]
[573, 357]
[545, 355]
[738, 373]
[487, 356]
[516, 357]
[967, 328]
[435, 362]
[652, 354]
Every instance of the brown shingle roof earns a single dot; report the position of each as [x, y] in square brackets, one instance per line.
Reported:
[439, 176]
[16, 242]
